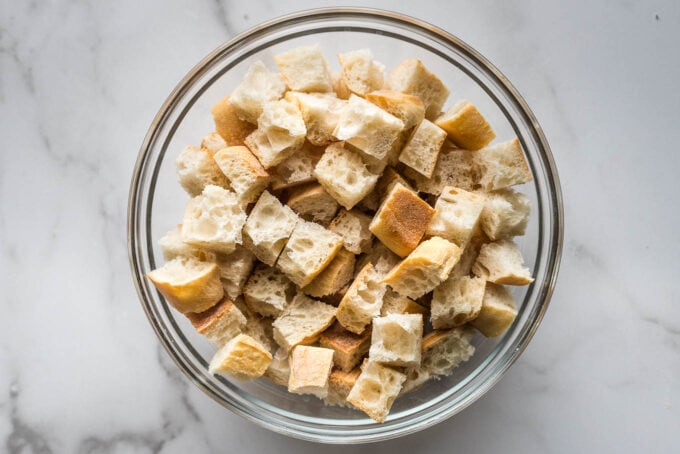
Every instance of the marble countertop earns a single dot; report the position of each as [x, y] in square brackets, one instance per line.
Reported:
[80, 368]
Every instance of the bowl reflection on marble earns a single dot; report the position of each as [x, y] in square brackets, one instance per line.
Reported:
[157, 202]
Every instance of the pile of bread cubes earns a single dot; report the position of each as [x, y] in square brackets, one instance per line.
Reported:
[344, 237]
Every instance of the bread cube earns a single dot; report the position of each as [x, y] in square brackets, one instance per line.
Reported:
[409, 109]
[385, 183]
[268, 291]
[394, 303]
[296, 169]
[242, 358]
[502, 165]
[213, 142]
[302, 322]
[259, 86]
[234, 270]
[368, 127]
[381, 257]
[340, 383]
[258, 327]
[465, 126]
[375, 390]
[173, 246]
[334, 277]
[344, 175]
[352, 226]
[455, 167]
[213, 220]
[401, 220]
[228, 124]
[497, 313]
[456, 215]
[282, 124]
[422, 149]
[305, 69]
[505, 214]
[310, 368]
[413, 78]
[456, 301]
[309, 250]
[246, 175]
[279, 369]
[320, 112]
[220, 323]
[360, 73]
[313, 203]
[470, 253]
[424, 268]
[349, 347]
[197, 169]
[362, 301]
[268, 227]
[395, 340]
[501, 262]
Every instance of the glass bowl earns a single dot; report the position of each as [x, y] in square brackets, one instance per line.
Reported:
[156, 204]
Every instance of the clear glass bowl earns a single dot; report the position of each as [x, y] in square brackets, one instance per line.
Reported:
[157, 202]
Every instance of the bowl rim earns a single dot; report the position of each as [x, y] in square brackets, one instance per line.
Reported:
[556, 233]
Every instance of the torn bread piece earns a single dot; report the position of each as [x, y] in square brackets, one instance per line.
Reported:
[296, 169]
[387, 180]
[312, 203]
[259, 86]
[246, 175]
[502, 165]
[505, 214]
[305, 69]
[381, 257]
[220, 323]
[242, 358]
[282, 124]
[422, 149]
[375, 390]
[228, 124]
[320, 112]
[362, 301]
[409, 109]
[456, 215]
[279, 369]
[268, 291]
[466, 127]
[497, 313]
[413, 78]
[395, 340]
[302, 322]
[340, 88]
[352, 226]
[334, 277]
[196, 169]
[213, 142]
[501, 262]
[310, 368]
[235, 268]
[457, 301]
[394, 303]
[360, 73]
[340, 383]
[173, 246]
[258, 327]
[455, 167]
[349, 347]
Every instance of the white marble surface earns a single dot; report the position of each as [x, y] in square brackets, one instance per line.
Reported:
[81, 370]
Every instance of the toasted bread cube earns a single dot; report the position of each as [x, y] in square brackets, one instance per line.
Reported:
[394, 303]
[282, 124]
[456, 215]
[395, 340]
[268, 227]
[424, 268]
[401, 220]
[220, 323]
[362, 301]
[455, 167]
[268, 291]
[497, 313]
[368, 127]
[409, 109]
[340, 383]
[246, 175]
[234, 270]
[501, 262]
[228, 124]
[279, 369]
[334, 277]
[296, 169]
[313, 203]
[389, 178]
[413, 78]
[308, 251]
[213, 220]
[375, 390]
[352, 226]
[360, 73]
[310, 368]
[213, 142]
[505, 214]
[466, 127]
[258, 327]
[242, 357]
[259, 86]
[457, 301]
[502, 165]
[196, 169]
[349, 347]
[302, 322]
[344, 175]
[305, 69]
[173, 246]
[320, 112]
[422, 149]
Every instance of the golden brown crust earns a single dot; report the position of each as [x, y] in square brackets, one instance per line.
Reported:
[466, 127]
[349, 347]
[408, 108]
[334, 277]
[205, 320]
[228, 125]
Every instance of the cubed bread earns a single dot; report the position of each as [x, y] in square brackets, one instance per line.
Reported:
[340, 383]
[213, 220]
[296, 169]
[258, 327]
[302, 322]
[422, 149]
[344, 175]
[339, 86]
[235, 268]
[213, 142]
[424, 268]
[375, 390]
[349, 347]
[455, 167]
[334, 277]
[259, 86]
[368, 127]
[246, 175]
[387, 180]
[173, 246]
[352, 226]
[501, 262]
[308, 251]
[268, 291]
[305, 69]
[456, 301]
[360, 72]
[505, 214]
[469, 255]
[381, 257]
[312, 203]
[228, 124]
[220, 323]
[465, 126]
[413, 78]
[401, 220]
[279, 369]
[282, 124]
[242, 358]
[362, 301]
[268, 227]
[197, 169]
[310, 368]
[395, 340]
[502, 165]
[497, 313]
[456, 215]
[394, 303]
[409, 109]
[335, 298]
[320, 112]
[188, 284]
